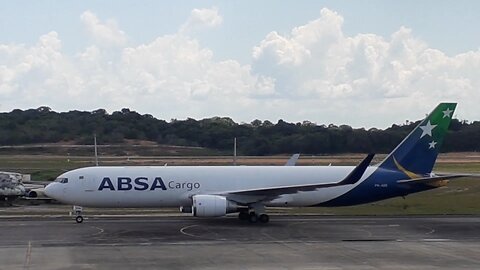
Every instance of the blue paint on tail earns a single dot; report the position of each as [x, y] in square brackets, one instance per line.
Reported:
[413, 158]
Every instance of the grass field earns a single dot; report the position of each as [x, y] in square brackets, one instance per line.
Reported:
[461, 196]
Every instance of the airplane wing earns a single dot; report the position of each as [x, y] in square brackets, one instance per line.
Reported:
[272, 192]
[437, 177]
[292, 160]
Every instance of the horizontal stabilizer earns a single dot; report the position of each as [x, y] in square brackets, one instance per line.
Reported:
[435, 178]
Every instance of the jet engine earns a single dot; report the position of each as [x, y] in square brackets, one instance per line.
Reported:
[212, 206]
[36, 193]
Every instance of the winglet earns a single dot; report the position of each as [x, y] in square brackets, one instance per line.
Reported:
[358, 172]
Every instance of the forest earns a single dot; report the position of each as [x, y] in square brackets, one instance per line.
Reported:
[42, 125]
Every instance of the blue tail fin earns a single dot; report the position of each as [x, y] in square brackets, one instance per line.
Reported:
[416, 154]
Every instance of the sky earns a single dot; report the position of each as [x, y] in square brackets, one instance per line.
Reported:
[360, 63]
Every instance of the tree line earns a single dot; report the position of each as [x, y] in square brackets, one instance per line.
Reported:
[42, 125]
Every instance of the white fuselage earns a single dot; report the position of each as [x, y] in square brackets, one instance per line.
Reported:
[155, 186]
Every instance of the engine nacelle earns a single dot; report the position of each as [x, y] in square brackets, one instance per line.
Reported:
[36, 193]
[32, 194]
[212, 206]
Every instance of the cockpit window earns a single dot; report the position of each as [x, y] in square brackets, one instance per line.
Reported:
[62, 180]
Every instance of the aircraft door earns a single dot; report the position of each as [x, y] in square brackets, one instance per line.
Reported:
[88, 182]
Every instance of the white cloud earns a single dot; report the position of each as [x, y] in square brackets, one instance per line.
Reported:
[317, 61]
[170, 77]
[106, 34]
[316, 73]
[199, 18]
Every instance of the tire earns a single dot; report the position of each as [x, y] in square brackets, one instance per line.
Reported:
[264, 218]
[79, 219]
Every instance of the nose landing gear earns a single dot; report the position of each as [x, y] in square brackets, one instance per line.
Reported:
[78, 213]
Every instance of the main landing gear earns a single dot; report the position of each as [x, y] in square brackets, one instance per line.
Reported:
[78, 213]
[255, 213]
[253, 217]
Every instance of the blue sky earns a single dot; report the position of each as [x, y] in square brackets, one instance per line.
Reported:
[266, 85]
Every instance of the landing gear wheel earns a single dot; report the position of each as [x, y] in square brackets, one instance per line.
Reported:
[243, 216]
[77, 210]
[263, 218]
[79, 219]
[253, 218]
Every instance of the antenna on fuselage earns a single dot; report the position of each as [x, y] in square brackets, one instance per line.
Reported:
[235, 151]
[95, 146]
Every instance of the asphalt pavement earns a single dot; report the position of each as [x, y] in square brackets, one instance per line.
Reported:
[287, 242]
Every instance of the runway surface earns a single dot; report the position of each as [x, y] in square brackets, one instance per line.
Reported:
[288, 242]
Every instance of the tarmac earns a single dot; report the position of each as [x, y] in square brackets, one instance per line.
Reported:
[287, 242]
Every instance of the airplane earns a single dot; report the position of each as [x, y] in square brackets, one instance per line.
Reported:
[11, 186]
[16, 185]
[215, 191]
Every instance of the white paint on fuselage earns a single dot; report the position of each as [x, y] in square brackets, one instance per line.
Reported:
[83, 184]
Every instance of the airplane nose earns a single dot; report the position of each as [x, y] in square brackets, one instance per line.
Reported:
[50, 190]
